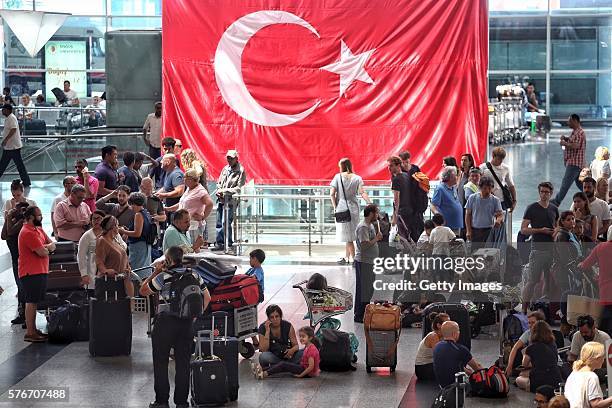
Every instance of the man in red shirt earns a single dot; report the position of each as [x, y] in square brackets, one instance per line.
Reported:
[34, 249]
[573, 147]
[602, 256]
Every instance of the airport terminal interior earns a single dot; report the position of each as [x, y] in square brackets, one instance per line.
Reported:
[561, 48]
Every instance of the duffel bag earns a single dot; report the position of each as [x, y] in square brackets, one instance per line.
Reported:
[236, 292]
[382, 316]
[64, 323]
[489, 383]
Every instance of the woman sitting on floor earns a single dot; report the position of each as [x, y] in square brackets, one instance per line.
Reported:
[541, 355]
[423, 364]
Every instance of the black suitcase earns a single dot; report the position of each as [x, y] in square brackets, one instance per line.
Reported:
[226, 348]
[458, 313]
[109, 288]
[65, 252]
[212, 271]
[110, 327]
[209, 385]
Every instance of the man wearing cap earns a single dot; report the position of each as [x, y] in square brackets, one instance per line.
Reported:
[11, 143]
[230, 181]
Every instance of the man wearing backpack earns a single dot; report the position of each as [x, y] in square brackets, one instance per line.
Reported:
[173, 324]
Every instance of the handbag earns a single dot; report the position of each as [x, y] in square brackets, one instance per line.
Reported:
[508, 200]
[343, 216]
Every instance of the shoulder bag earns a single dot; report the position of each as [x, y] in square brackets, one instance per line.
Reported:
[507, 201]
[343, 216]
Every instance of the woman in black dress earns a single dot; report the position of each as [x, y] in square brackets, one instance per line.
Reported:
[541, 355]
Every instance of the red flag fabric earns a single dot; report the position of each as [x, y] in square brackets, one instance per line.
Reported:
[296, 85]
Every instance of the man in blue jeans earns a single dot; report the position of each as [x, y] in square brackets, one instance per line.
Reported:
[573, 157]
[232, 178]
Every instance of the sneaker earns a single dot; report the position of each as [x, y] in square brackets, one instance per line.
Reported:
[34, 339]
[18, 320]
[218, 248]
[342, 261]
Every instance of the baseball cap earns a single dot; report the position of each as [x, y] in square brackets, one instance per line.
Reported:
[231, 153]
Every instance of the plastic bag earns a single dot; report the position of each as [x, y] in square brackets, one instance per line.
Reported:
[393, 236]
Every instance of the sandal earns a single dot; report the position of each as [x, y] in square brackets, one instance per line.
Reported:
[257, 370]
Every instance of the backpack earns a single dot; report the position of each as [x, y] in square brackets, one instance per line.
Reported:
[185, 295]
[149, 228]
[514, 326]
[489, 383]
[335, 351]
[421, 193]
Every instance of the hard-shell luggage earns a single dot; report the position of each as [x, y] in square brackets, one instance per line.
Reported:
[213, 271]
[335, 352]
[235, 292]
[209, 385]
[65, 251]
[110, 327]
[109, 288]
[34, 127]
[64, 276]
[457, 313]
[226, 348]
[453, 395]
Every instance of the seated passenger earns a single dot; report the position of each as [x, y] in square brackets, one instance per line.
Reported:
[582, 387]
[559, 402]
[423, 363]
[541, 356]
[277, 339]
[308, 365]
[587, 332]
[543, 394]
[424, 238]
[449, 357]
[522, 342]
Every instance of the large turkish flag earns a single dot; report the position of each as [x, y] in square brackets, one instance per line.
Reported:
[295, 85]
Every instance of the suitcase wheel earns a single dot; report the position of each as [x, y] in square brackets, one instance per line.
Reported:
[368, 369]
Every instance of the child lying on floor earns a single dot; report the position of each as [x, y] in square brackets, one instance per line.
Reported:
[309, 365]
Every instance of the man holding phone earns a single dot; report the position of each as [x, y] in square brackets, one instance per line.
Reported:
[539, 221]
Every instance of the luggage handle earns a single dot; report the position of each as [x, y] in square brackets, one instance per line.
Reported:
[212, 324]
[200, 336]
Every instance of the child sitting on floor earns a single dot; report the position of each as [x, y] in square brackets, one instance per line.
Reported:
[309, 364]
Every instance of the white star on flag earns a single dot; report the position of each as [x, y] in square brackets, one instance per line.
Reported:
[350, 67]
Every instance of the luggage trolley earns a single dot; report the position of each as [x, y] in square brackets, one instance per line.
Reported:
[323, 304]
[242, 324]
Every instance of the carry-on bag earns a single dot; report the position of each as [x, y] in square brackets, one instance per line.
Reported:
[235, 292]
[489, 383]
[209, 385]
[64, 276]
[335, 352]
[382, 316]
[63, 324]
[226, 348]
[65, 251]
[457, 313]
[381, 349]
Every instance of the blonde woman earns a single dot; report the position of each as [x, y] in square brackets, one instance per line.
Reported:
[600, 167]
[602, 189]
[344, 189]
[582, 387]
[189, 160]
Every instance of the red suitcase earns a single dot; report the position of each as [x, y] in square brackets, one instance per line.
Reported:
[238, 291]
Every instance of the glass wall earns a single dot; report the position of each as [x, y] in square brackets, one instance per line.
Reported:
[563, 46]
[77, 50]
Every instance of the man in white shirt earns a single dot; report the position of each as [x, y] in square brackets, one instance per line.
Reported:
[598, 207]
[154, 126]
[502, 171]
[71, 95]
[586, 332]
[11, 143]
[68, 182]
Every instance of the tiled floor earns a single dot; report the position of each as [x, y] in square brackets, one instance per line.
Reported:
[128, 382]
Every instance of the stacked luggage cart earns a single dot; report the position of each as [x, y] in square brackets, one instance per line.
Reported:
[507, 116]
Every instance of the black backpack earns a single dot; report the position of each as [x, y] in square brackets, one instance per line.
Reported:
[184, 294]
[335, 351]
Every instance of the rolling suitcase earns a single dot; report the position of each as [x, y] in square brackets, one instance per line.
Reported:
[110, 327]
[458, 313]
[214, 271]
[64, 276]
[65, 251]
[235, 292]
[382, 323]
[209, 386]
[34, 127]
[226, 348]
